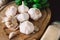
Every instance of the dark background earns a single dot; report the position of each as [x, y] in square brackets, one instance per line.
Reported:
[55, 10]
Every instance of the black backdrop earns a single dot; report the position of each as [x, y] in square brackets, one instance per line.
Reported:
[55, 9]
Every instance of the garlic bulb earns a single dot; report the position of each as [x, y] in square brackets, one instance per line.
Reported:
[11, 11]
[2, 2]
[11, 23]
[23, 8]
[26, 27]
[35, 13]
[12, 34]
[23, 17]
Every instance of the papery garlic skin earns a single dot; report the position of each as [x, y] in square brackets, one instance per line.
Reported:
[23, 17]
[22, 8]
[35, 13]
[11, 11]
[11, 23]
[12, 34]
[26, 27]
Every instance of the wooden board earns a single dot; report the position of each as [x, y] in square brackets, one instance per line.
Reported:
[41, 23]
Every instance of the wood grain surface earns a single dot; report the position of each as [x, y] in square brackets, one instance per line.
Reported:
[41, 23]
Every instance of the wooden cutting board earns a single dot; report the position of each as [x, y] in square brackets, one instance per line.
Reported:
[41, 23]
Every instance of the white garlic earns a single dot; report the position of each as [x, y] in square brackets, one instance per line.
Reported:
[35, 13]
[11, 11]
[11, 23]
[26, 27]
[22, 8]
[2, 2]
[12, 34]
[23, 17]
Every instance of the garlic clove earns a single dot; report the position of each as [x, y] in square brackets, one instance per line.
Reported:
[11, 11]
[35, 13]
[26, 27]
[23, 17]
[22, 8]
[12, 34]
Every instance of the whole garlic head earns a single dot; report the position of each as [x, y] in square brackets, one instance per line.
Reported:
[26, 27]
[35, 13]
[22, 8]
[23, 17]
[11, 11]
